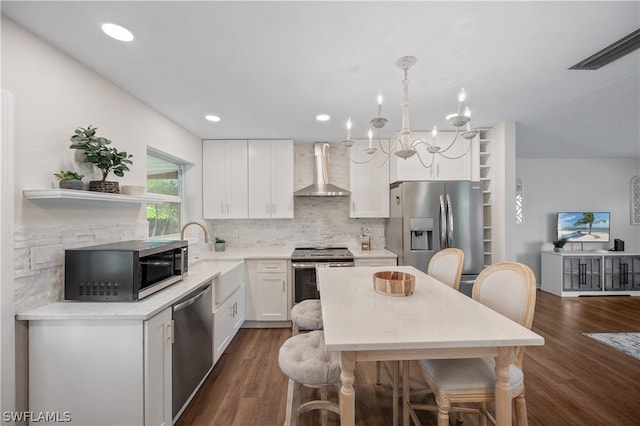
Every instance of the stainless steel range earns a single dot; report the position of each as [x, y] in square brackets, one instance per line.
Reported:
[305, 261]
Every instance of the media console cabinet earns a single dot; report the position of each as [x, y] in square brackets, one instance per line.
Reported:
[588, 273]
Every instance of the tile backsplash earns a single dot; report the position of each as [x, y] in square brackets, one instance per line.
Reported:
[318, 221]
[37, 287]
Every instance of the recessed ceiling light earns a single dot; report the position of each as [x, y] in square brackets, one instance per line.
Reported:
[117, 32]
[323, 117]
[213, 118]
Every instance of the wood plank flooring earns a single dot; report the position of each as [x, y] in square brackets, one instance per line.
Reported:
[571, 380]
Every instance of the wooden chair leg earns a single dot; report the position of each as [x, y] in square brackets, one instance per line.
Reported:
[521, 410]
[378, 367]
[482, 421]
[443, 411]
[294, 328]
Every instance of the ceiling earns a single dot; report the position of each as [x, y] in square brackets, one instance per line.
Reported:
[268, 68]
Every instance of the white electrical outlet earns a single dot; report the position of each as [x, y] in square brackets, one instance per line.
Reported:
[235, 233]
[382, 232]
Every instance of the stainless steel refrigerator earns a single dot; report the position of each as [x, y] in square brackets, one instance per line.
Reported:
[425, 217]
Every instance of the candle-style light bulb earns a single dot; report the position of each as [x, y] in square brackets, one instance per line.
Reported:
[380, 99]
[434, 131]
[349, 128]
[370, 134]
[467, 112]
[461, 98]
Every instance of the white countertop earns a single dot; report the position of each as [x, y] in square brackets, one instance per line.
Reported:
[203, 268]
[284, 253]
[199, 274]
[357, 318]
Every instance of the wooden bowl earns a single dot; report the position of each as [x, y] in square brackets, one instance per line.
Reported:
[393, 283]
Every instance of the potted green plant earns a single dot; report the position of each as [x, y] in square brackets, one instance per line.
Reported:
[559, 244]
[70, 180]
[106, 158]
[219, 244]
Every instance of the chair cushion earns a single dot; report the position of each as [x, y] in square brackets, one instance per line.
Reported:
[468, 375]
[307, 314]
[304, 359]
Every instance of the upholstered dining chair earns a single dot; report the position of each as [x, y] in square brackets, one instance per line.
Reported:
[446, 266]
[510, 289]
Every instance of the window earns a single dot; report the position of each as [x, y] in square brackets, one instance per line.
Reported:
[519, 201]
[164, 179]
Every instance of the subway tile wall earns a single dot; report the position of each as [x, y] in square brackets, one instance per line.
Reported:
[321, 221]
[38, 287]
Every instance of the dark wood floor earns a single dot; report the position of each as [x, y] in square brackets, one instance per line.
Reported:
[571, 380]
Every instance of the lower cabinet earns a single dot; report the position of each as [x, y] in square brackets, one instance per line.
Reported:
[268, 294]
[102, 372]
[227, 319]
[588, 273]
[376, 261]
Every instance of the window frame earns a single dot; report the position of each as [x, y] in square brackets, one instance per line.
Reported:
[181, 164]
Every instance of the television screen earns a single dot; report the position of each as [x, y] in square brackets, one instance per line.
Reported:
[581, 227]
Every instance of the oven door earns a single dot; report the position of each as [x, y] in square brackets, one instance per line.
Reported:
[304, 279]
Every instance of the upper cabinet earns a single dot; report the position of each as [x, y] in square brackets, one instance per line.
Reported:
[270, 178]
[368, 182]
[224, 179]
[454, 164]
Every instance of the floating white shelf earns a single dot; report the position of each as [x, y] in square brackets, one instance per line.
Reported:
[71, 194]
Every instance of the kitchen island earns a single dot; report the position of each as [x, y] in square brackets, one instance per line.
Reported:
[436, 321]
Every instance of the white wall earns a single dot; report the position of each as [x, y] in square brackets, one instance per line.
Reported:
[552, 185]
[53, 96]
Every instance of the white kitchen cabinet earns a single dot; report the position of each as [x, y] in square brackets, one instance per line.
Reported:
[268, 296]
[456, 164]
[102, 372]
[227, 319]
[375, 261]
[224, 179]
[270, 178]
[368, 183]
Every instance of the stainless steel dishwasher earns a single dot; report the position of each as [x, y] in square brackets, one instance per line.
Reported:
[192, 347]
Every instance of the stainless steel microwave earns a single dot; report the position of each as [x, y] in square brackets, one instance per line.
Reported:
[124, 271]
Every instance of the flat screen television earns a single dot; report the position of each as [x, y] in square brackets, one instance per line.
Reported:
[584, 227]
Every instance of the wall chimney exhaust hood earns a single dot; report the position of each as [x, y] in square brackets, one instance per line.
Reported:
[321, 186]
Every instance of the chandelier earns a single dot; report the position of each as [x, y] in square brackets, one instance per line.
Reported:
[405, 146]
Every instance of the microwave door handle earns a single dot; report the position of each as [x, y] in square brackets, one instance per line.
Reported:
[189, 302]
[156, 262]
[443, 224]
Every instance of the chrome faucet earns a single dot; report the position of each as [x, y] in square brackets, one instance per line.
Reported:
[206, 233]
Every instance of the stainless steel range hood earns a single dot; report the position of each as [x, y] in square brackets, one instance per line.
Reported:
[321, 186]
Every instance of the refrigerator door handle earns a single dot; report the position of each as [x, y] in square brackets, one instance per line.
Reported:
[449, 222]
[443, 223]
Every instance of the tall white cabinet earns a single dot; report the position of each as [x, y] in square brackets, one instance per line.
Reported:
[224, 179]
[368, 182]
[270, 184]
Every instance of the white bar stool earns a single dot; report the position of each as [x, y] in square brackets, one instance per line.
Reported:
[306, 315]
[305, 361]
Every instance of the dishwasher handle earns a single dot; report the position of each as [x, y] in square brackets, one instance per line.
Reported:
[182, 305]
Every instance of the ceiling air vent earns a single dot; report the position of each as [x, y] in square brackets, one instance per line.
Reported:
[610, 53]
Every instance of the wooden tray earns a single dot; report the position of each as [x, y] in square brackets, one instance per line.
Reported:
[393, 283]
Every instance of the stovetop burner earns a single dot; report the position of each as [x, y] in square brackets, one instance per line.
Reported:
[314, 253]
